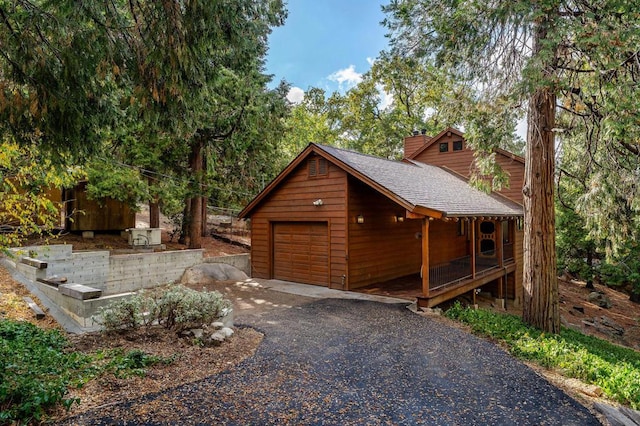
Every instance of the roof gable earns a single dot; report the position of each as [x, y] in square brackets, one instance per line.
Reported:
[450, 130]
[420, 188]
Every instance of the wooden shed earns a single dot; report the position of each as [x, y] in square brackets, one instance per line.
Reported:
[346, 220]
[104, 215]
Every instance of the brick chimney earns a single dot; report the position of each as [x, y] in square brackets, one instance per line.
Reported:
[415, 142]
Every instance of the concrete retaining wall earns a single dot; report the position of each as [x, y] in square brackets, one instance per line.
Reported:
[131, 272]
[118, 276]
[240, 261]
[90, 268]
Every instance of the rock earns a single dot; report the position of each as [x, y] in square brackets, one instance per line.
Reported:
[217, 337]
[618, 416]
[599, 299]
[217, 325]
[605, 325]
[197, 333]
[226, 331]
[209, 273]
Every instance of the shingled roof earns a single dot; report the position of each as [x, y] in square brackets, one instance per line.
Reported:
[425, 185]
[420, 188]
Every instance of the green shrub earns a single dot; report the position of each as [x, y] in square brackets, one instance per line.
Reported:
[174, 307]
[35, 371]
[616, 370]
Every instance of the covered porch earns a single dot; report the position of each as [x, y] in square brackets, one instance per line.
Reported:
[489, 263]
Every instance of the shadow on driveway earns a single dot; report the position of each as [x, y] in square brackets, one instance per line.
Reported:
[342, 362]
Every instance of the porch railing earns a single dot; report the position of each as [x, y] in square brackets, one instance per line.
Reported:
[507, 250]
[449, 273]
[457, 270]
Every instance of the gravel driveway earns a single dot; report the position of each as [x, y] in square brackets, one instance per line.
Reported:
[351, 362]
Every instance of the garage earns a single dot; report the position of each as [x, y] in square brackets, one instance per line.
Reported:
[301, 252]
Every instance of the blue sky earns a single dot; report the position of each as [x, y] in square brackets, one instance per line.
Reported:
[326, 43]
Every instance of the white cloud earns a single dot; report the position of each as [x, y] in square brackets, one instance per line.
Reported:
[295, 95]
[386, 99]
[371, 60]
[346, 78]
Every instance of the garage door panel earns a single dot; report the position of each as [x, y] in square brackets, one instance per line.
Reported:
[301, 252]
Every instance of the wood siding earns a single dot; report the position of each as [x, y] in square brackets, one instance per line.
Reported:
[381, 248]
[292, 201]
[462, 162]
[444, 242]
[106, 214]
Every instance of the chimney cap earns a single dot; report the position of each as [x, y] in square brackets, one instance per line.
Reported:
[423, 131]
[415, 133]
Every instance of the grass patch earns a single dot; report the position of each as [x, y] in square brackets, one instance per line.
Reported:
[37, 369]
[616, 370]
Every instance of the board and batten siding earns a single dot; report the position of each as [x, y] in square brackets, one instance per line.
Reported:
[292, 201]
[381, 248]
[463, 163]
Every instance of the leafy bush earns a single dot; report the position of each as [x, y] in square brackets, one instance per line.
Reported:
[616, 370]
[35, 371]
[174, 307]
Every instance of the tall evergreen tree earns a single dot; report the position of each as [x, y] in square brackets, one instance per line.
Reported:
[533, 52]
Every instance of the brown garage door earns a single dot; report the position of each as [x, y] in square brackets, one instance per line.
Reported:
[301, 252]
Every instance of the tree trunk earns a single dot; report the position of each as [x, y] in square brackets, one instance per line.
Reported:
[204, 216]
[186, 216]
[540, 278]
[589, 284]
[196, 166]
[154, 208]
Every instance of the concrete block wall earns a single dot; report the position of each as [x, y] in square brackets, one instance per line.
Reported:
[131, 272]
[90, 268]
[50, 253]
[240, 261]
[81, 311]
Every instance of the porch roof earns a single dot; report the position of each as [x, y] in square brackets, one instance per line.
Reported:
[425, 186]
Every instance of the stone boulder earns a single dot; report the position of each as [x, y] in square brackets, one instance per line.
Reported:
[599, 299]
[208, 273]
[606, 326]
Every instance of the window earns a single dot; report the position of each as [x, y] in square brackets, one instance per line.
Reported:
[444, 147]
[457, 145]
[317, 167]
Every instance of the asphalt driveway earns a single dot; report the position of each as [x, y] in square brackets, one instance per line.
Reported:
[353, 362]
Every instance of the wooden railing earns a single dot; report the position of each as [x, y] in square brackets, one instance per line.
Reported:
[457, 270]
[507, 250]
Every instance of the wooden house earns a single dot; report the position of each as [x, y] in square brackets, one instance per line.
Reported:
[347, 220]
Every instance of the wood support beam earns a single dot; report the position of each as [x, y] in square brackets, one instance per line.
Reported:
[425, 257]
[473, 248]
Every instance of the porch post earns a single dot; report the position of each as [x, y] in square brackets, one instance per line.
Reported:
[425, 257]
[499, 253]
[500, 247]
[473, 248]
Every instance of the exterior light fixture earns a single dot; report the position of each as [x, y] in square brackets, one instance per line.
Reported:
[399, 218]
[318, 202]
[359, 219]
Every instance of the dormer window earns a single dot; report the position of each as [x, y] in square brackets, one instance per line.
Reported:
[444, 147]
[317, 167]
[457, 145]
